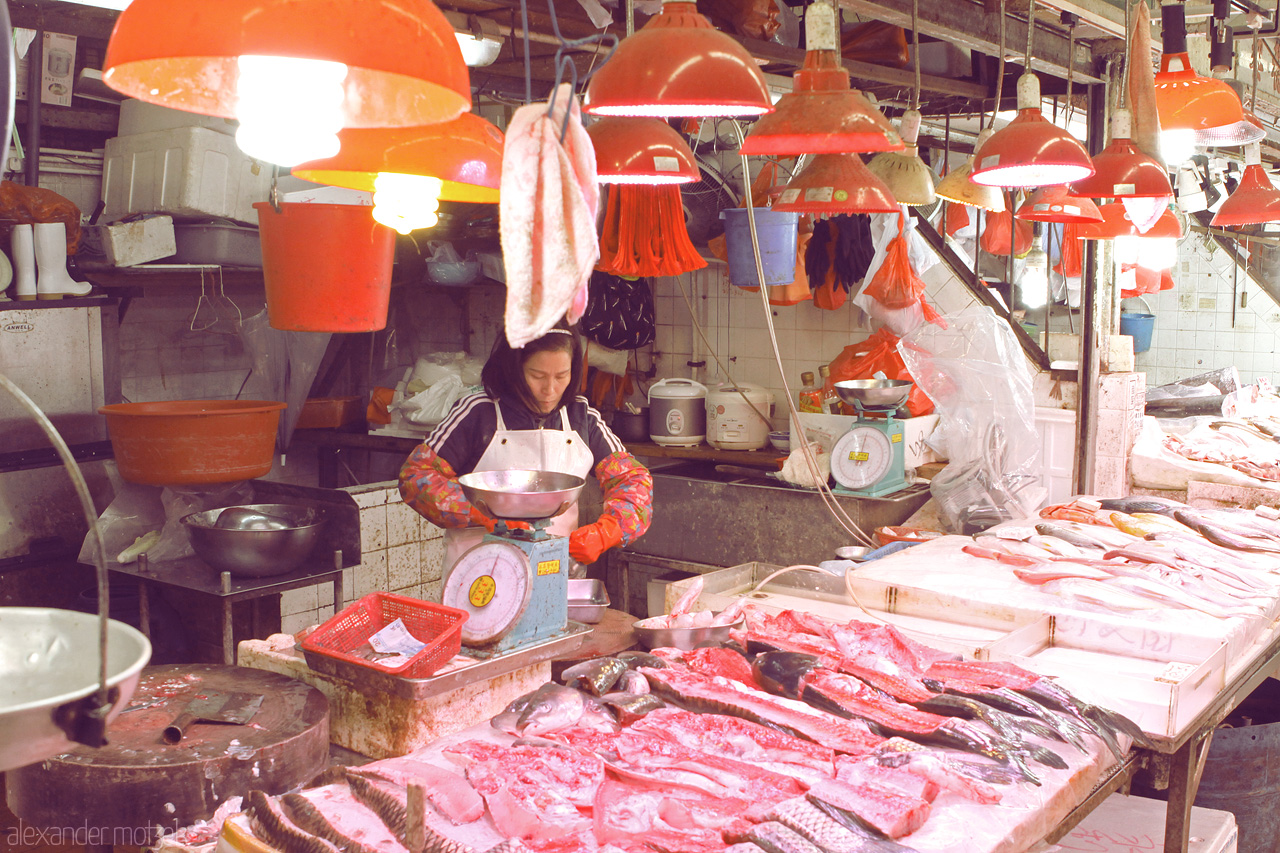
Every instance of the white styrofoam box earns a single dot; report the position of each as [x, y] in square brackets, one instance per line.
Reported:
[130, 243]
[1057, 431]
[188, 172]
[297, 191]
[1122, 824]
[828, 429]
[140, 117]
[81, 190]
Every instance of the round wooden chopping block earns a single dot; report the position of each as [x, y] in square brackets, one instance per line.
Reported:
[139, 784]
[612, 634]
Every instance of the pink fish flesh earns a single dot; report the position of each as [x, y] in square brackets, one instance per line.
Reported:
[736, 738]
[892, 813]
[739, 778]
[721, 661]
[449, 792]
[855, 697]
[723, 696]
[865, 770]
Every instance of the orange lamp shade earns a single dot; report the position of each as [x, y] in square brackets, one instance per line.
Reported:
[1122, 170]
[834, 184]
[466, 154]
[1255, 200]
[1187, 101]
[822, 115]
[1030, 151]
[631, 150]
[678, 65]
[404, 67]
[1056, 204]
[1116, 223]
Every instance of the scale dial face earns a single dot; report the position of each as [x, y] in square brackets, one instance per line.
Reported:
[861, 457]
[492, 582]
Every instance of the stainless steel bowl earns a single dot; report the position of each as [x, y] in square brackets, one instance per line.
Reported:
[683, 638]
[521, 494]
[874, 393]
[255, 553]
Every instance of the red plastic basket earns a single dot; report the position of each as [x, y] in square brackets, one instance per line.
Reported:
[438, 626]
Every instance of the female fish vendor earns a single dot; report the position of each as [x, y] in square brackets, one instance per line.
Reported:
[529, 417]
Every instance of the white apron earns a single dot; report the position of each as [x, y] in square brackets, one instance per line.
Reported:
[562, 450]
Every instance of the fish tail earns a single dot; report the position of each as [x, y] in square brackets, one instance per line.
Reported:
[271, 825]
[1047, 757]
[1119, 722]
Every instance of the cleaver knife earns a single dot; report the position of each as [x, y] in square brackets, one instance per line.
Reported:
[214, 707]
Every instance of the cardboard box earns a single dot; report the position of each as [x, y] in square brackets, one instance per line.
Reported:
[58, 75]
[1125, 824]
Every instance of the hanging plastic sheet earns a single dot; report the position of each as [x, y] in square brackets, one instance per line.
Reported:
[286, 364]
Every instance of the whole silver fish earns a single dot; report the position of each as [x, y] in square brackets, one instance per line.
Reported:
[596, 676]
[802, 816]
[1067, 534]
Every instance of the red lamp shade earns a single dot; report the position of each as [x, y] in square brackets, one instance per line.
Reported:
[821, 114]
[1055, 204]
[404, 67]
[466, 154]
[1030, 151]
[678, 65]
[640, 151]
[1116, 223]
[1184, 99]
[1255, 200]
[835, 184]
[1122, 170]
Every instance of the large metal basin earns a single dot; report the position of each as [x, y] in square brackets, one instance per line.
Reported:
[526, 495]
[49, 658]
[255, 553]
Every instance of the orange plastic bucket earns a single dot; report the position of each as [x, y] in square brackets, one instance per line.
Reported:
[327, 267]
[190, 442]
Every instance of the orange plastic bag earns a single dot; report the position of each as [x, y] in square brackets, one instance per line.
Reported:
[895, 284]
[25, 205]
[1000, 228]
[1072, 263]
[958, 217]
[757, 19]
[379, 409]
[879, 354]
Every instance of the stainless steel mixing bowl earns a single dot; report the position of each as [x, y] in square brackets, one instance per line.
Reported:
[255, 553]
[682, 638]
[518, 494]
[878, 394]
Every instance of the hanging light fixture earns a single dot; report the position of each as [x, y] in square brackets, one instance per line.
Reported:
[678, 65]
[292, 73]
[640, 151]
[958, 187]
[1030, 151]
[1057, 204]
[1193, 109]
[834, 184]
[1116, 223]
[410, 170]
[1123, 171]
[1033, 288]
[1256, 200]
[906, 175]
[821, 114]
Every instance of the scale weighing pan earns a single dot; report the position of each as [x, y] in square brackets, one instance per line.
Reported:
[524, 495]
[874, 394]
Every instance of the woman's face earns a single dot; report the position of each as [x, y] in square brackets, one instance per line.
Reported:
[547, 375]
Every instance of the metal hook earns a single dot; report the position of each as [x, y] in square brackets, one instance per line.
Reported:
[203, 300]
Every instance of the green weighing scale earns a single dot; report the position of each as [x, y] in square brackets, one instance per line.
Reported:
[870, 459]
[515, 583]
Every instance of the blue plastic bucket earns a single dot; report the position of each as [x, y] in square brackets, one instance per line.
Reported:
[1139, 327]
[777, 234]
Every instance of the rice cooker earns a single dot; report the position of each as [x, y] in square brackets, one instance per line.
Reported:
[732, 423]
[677, 413]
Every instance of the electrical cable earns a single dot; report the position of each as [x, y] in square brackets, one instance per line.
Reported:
[999, 72]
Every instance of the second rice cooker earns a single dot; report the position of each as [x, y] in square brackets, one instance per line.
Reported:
[738, 416]
[677, 417]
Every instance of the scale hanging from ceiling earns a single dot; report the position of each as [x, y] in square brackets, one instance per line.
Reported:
[515, 583]
[870, 459]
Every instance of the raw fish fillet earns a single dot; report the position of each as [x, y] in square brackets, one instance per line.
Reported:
[867, 772]
[892, 813]
[736, 738]
[737, 778]
[630, 815]
[448, 792]
[547, 210]
[721, 661]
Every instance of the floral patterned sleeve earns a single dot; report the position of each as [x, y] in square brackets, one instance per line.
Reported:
[429, 485]
[628, 493]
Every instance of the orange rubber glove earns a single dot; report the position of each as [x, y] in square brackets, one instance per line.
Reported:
[489, 523]
[588, 542]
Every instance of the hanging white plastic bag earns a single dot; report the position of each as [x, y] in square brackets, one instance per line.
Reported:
[428, 408]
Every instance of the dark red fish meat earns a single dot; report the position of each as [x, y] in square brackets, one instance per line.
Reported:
[721, 661]
[985, 673]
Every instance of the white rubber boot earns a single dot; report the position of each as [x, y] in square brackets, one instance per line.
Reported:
[24, 263]
[53, 281]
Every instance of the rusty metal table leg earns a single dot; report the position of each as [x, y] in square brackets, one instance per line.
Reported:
[337, 583]
[144, 610]
[228, 640]
[1184, 780]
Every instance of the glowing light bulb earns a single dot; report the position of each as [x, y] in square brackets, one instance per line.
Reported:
[1144, 212]
[1177, 146]
[406, 202]
[1126, 249]
[290, 110]
[1034, 287]
[1157, 253]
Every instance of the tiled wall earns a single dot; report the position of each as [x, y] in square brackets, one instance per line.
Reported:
[401, 552]
[734, 323]
[1194, 331]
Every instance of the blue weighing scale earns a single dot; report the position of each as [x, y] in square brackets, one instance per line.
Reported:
[515, 583]
[870, 459]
